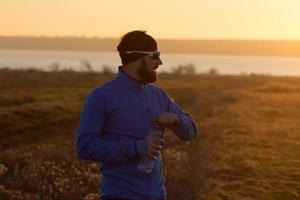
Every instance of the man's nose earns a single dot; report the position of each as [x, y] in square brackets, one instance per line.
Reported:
[159, 62]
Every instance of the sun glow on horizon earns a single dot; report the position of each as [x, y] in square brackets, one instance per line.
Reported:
[193, 19]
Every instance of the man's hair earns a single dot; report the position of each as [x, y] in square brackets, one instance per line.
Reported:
[135, 41]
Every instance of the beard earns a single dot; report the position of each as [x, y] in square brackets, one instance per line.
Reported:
[147, 76]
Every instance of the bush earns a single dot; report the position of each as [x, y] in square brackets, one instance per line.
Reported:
[188, 69]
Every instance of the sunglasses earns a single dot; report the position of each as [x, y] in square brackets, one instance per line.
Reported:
[152, 54]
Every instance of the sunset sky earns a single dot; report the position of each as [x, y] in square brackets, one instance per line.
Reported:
[175, 19]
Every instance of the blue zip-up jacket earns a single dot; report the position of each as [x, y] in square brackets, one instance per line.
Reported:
[116, 120]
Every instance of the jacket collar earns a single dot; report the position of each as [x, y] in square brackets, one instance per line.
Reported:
[128, 80]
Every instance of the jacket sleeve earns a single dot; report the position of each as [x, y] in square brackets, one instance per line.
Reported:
[187, 129]
[89, 144]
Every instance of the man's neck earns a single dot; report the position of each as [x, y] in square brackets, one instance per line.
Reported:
[130, 71]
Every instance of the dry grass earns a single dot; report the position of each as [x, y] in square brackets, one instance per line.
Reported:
[248, 147]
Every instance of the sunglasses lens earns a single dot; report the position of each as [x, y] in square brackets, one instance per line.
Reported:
[156, 55]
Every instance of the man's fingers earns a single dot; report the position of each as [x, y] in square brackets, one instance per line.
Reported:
[165, 122]
[157, 140]
[156, 146]
[154, 151]
[166, 119]
[158, 143]
[153, 154]
[156, 120]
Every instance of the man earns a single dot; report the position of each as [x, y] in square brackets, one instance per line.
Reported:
[118, 117]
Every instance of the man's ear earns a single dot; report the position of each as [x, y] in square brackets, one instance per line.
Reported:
[143, 61]
[139, 62]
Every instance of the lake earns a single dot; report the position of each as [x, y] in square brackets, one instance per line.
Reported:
[40, 59]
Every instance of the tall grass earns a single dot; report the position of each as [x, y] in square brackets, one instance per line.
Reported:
[248, 147]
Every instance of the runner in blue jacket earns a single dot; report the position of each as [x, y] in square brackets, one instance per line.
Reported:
[118, 117]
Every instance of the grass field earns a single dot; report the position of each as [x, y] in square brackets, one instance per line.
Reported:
[248, 147]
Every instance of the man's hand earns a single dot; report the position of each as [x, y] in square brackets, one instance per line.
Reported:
[156, 145]
[168, 119]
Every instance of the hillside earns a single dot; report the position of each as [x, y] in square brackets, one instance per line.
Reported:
[224, 47]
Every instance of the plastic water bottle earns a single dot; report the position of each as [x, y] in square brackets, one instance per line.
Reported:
[146, 164]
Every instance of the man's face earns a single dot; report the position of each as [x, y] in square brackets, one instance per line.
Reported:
[147, 69]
